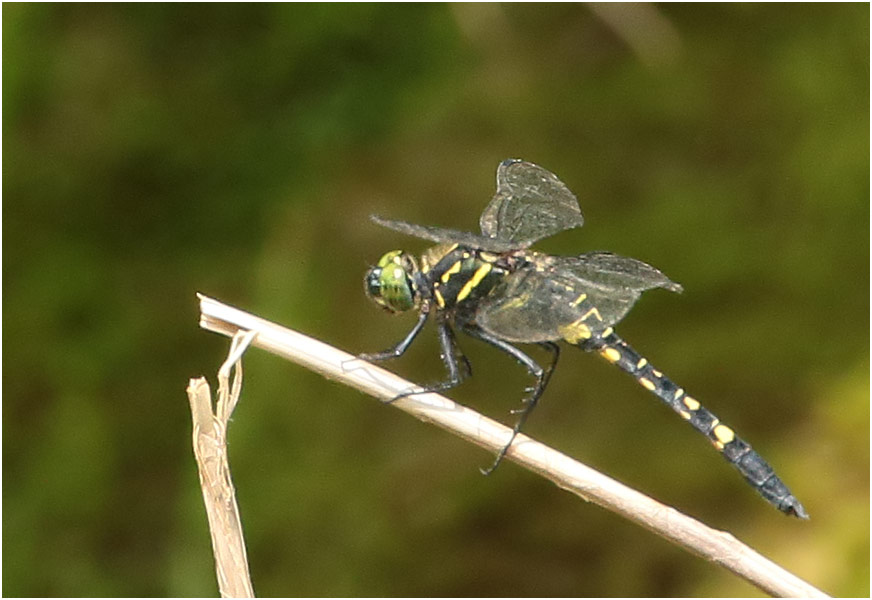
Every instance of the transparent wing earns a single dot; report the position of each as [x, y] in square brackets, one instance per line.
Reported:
[611, 272]
[530, 203]
[450, 236]
[537, 303]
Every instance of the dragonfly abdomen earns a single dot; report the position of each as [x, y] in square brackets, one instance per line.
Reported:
[739, 453]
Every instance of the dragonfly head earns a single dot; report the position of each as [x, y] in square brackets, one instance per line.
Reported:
[391, 283]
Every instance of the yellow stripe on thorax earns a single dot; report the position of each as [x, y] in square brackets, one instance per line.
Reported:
[480, 273]
[455, 268]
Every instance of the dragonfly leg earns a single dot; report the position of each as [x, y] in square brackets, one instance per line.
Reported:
[400, 348]
[542, 376]
[458, 370]
[464, 367]
[554, 349]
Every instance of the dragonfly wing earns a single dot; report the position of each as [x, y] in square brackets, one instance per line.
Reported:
[614, 273]
[530, 203]
[532, 306]
[449, 236]
[548, 300]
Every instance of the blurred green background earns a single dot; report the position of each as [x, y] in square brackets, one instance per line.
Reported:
[153, 151]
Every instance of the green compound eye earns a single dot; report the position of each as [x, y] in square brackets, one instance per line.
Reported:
[391, 283]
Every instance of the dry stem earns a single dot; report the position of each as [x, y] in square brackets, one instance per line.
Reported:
[210, 450]
[590, 485]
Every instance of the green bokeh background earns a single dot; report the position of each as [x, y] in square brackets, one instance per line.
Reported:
[153, 151]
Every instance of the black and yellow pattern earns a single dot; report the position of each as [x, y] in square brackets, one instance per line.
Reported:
[493, 288]
[739, 453]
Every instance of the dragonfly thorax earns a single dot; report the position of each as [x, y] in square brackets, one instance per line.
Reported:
[458, 277]
[391, 283]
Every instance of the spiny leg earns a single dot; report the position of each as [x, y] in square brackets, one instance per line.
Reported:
[461, 363]
[542, 376]
[457, 371]
[455, 361]
[739, 453]
[400, 348]
[529, 403]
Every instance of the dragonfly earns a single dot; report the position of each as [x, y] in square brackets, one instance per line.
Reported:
[494, 288]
